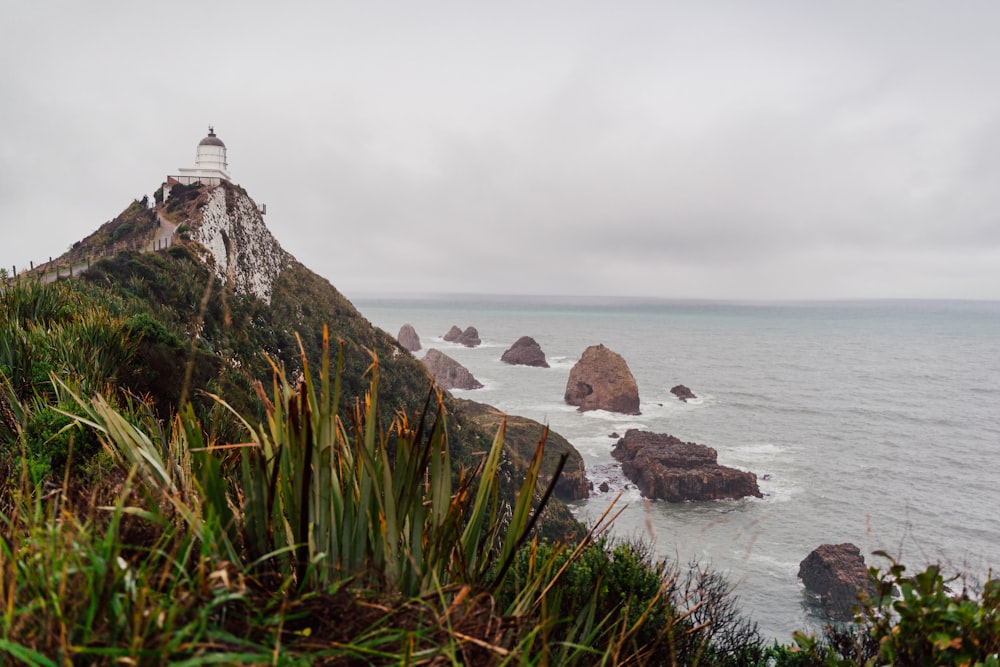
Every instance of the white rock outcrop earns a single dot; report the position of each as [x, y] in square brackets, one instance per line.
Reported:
[244, 252]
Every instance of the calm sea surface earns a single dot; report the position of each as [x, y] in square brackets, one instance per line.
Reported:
[876, 423]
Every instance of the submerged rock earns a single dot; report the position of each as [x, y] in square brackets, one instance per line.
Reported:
[525, 352]
[835, 574]
[408, 338]
[682, 392]
[448, 373]
[601, 380]
[667, 468]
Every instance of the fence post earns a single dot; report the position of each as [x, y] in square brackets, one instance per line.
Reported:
[32, 265]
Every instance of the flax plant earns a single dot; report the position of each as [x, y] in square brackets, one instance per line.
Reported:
[314, 500]
[373, 503]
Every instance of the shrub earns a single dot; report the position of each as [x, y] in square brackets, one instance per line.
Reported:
[919, 620]
[51, 434]
[639, 607]
[912, 620]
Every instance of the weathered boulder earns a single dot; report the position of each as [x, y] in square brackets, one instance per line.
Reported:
[521, 437]
[448, 373]
[682, 392]
[835, 574]
[666, 468]
[408, 338]
[453, 333]
[525, 352]
[469, 337]
[601, 380]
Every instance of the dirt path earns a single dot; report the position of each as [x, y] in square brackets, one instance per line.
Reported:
[166, 234]
[163, 239]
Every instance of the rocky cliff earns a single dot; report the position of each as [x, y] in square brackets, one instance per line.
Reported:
[240, 248]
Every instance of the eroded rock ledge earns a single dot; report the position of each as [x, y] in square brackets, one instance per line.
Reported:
[522, 435]
[666, 468]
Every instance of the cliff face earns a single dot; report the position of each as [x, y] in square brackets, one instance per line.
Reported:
[241, 249]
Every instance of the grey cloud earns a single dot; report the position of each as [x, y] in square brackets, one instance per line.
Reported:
[675, 149]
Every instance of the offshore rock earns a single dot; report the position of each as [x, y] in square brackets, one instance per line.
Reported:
[453, 333]
[601, 380]
[666, 468]
[521, 436]
[835, 574]
[408, 338]
[448, 373]
[469, 338]
[682, 392]
[525, 352]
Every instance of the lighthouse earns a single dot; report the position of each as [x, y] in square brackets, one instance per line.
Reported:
[210, 165]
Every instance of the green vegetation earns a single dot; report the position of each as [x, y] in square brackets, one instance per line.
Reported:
[913, 620]
[133, 227]
[160, 504]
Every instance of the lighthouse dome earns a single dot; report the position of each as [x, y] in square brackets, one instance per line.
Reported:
[211, 139]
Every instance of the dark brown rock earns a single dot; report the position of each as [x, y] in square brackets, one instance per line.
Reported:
[835, 574]
[525, 352]
[521, 437]
[601, 380]
[682, 392]
[469, 338]
[448, 373]
[666, 468]
[604, 488]
[453, 333]
[408, 338]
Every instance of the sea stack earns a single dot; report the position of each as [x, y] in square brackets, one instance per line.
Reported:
[469, 337]
[601, 380]
[448, 373]
[525, 352]
[408, 338]
[836, 574]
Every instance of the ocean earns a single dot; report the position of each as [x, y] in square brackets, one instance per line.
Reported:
[872, 422]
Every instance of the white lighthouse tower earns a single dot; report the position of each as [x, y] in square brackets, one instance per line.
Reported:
[210, 166]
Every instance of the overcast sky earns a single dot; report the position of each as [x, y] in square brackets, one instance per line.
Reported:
[733, 150]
